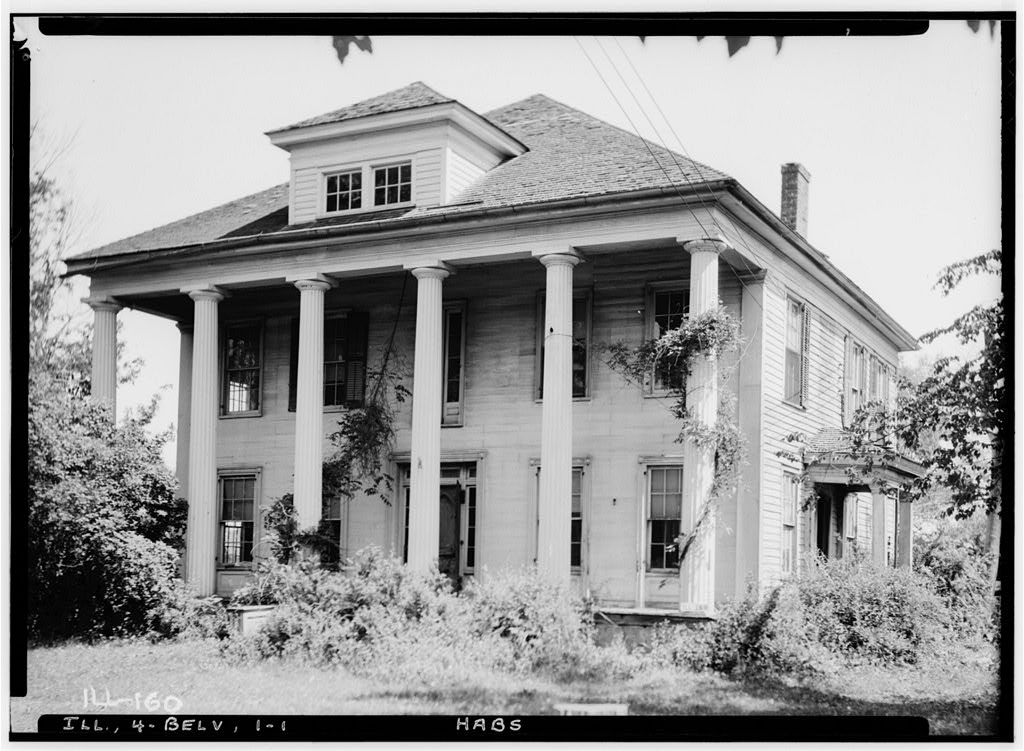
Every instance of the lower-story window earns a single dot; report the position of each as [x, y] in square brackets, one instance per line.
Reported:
[577, 520]
[664, 509]
[790, 501]
[238, 493]
[332, 529]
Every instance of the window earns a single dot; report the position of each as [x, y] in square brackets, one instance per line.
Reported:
[237, 492]
[664, 510]
[392, 184]
[670, 307]
[790, 502]
[580, 345]
[797, 332]
[866, 379]
[332, 527]
[344, 360]
[850, 516]
[878, 387]
[469, 517]
[577, 533]
[454, 356]
[344, 191]
[242, 358]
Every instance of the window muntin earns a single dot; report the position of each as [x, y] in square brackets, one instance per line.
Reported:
[242, 367]
[469, 535]
[670, 308]
[581, 318]
[454, 357]
[797, 327]
[392, 184]
[790, 502]
[237, 513]
[344, 191]
[664, 510]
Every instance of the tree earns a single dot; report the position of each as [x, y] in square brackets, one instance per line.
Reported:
[953, 419]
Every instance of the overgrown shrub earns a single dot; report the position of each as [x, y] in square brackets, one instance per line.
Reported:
[842, 612]
[103, 520]
[187, 616]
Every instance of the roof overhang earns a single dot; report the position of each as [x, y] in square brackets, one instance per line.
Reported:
[843, 468]
[454, 112]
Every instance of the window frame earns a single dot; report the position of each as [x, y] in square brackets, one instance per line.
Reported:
[583, 465]
[582, 293]
[255, 473]
[224, 412]
[367, 170]
[652, 388]
[789, 523]
[336, 314]
[851, 509]
[335, 317]
[375, 168]
[325, 190]
[649, 469]
[458, 419]
[342, 521]
[803, 354]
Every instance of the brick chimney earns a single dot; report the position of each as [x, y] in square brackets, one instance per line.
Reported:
[795, 182]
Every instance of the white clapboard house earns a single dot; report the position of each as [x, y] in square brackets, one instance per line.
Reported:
[503, 249]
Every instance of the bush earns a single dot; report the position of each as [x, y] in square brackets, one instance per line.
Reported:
[378, 618]
[184, 615]
[103, 521]
[842, 612]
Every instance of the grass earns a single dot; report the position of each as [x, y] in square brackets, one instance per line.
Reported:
[195, 673]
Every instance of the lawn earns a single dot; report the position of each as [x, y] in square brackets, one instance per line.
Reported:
[195, 676]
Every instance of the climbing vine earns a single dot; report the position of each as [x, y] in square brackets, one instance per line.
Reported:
[710, 335]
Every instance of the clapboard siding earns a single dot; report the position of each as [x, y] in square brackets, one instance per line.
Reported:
[613, 428]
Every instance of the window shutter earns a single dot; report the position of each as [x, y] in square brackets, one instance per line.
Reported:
[293, 365]
[355, 358]
[847, 398]
[805, 345]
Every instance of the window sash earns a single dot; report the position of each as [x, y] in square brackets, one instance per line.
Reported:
[243, 365]
[670, 307]
[797, 336]
[664, 512]
[392, 184]
[343, 191]
[237, 505]
[453, 382]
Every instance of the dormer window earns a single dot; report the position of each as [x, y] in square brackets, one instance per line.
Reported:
[344, 191]
[392, 184]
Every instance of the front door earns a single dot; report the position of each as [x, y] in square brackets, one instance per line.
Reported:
[448, 534]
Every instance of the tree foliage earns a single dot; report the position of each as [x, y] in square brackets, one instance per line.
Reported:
[953, 419]
[103, 520]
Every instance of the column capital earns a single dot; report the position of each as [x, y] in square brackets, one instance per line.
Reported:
[205, 293]
[714, 245]
[185, 327]
[312, 281]
[558, 259]
[102, 303]
[432, 270]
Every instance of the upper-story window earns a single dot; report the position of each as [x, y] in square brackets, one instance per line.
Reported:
[581, 312]
[366, 187]
[345, 339]
[392, 184]
[866, 379]
[345, 191]
[797, 344]
[670, 306]
[243, 347]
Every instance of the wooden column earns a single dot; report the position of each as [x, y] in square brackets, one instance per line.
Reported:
[554, 535]
[877, 527]
[425, 466]
[904, 534]
[309, 403]
[697, 572]
[201, 534]
[184, 406]
[104, 352]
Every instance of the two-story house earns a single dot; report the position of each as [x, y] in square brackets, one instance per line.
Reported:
[494, 254]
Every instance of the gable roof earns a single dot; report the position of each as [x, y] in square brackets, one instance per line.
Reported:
[570, 155]
[416, 94]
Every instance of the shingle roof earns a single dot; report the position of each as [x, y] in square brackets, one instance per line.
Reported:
[416, 94]
[571, 155]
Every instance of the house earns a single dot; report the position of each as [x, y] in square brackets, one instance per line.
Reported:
[495, 253]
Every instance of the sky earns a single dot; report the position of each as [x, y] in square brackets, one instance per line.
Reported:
[901, 135]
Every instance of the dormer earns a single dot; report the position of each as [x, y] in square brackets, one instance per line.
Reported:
[409, 148]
